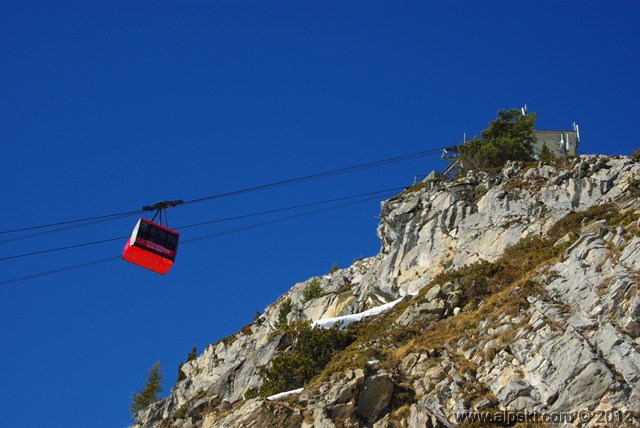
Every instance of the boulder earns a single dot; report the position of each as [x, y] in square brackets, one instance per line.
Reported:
[375, 397]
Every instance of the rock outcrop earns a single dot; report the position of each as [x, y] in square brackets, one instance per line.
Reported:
[561, 335]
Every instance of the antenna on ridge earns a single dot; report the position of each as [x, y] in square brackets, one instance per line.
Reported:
[524, 110]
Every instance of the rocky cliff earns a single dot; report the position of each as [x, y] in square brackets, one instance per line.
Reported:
[515, 291]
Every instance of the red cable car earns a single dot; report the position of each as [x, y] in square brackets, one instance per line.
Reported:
[151, 246]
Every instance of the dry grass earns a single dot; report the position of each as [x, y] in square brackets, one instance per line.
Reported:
[520, 183]
[492, 284]
[573, 221]
[609, 212]
[418, 186]
[490, 293]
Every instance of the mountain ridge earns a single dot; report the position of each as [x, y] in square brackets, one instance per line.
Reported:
[516, 290]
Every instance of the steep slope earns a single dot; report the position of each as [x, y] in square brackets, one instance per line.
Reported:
[519, 291]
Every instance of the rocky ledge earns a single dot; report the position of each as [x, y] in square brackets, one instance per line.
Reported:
[511, 291]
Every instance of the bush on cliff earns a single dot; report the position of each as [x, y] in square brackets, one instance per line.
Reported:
[310, 352]
[149, 393]
[509, 137]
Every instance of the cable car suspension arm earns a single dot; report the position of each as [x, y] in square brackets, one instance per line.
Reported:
[162, 205]
[161, 208]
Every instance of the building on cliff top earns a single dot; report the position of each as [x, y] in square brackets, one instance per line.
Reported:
[561, 143]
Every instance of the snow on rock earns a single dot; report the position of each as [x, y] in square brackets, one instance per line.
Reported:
[284, 394]
[345, 320]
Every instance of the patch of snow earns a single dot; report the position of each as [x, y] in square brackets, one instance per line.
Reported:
[285, 394]
[373, 362]
[348, 319]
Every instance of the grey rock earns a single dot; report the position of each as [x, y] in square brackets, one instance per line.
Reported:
[434, 309]
[257, 414]
[375, 397]
[509, 386]
[574, 347]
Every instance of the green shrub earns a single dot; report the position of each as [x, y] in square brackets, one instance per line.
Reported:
[636, 155]
[473, 279]
[414, 188]
[572, 222]
[181, 375]
[482, 278]
[490, 282]
[509, 137]
[334, 269]
[284, 310]
[527, 254]
[311, 291]
[251, 393]
[345, 287]
[190, 357]
[312, 349]
[466, 274]
[149, 393]
[634, 186]
[546, 155]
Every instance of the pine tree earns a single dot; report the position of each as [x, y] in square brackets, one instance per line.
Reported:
[334, 268]
[284, 310]
[149, 393]
[508, 137]
[192, 354]
[181, 375]
[546, 155]
[311, 291]
[190, 357]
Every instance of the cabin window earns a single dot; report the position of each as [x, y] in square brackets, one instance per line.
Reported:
[157, 235]
[171, 240]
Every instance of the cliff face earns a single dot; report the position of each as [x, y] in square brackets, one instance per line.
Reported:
[519, 291]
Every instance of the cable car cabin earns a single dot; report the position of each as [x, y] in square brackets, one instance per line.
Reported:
[151, 246]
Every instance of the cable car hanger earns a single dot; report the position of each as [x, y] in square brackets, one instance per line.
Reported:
[161, 208]
[162, 205]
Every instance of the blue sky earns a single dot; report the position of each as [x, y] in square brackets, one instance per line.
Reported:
[107, 106]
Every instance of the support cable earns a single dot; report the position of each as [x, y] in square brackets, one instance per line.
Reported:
[59, 270]
[70, 224]
[62, 229]
[221, 220]
[200, 238]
